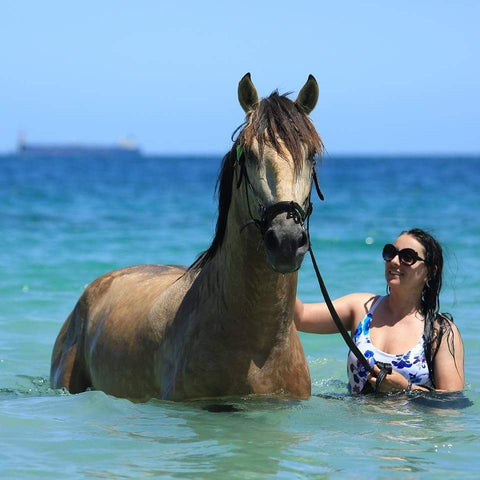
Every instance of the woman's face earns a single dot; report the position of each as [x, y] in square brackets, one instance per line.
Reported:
[412, 277]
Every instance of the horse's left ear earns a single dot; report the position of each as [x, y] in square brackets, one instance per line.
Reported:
[308, 96]
[247, 93]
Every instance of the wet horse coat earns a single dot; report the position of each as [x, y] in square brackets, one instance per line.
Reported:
[224, 326]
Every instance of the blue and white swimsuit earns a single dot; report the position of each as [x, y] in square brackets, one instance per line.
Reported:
[412, 364]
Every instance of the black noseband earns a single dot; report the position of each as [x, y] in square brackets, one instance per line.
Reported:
[292, 209]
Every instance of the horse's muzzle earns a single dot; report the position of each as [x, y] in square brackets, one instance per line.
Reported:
[286, 243]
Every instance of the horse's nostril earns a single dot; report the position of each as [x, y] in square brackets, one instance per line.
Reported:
[303, 239]
[271, 240]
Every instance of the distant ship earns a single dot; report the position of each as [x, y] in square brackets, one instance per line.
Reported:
[123, 148]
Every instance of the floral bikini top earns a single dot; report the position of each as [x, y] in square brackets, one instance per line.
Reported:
[412, 364]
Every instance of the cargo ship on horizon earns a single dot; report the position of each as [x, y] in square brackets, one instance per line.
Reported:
[123, 148]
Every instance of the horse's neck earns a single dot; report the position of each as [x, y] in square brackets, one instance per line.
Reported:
[244, 292]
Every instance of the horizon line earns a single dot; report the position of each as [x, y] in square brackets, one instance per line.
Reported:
[386, 153]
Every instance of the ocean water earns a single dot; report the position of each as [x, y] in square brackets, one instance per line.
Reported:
[64, 222]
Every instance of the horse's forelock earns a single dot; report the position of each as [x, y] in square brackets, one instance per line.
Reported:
[282, 124]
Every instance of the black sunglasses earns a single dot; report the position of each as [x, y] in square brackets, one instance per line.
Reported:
[407, 256]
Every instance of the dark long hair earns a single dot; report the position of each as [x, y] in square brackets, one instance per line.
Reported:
[436, 324]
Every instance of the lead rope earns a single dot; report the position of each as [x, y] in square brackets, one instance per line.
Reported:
[385, 368]
[348, 340]
[338, 322]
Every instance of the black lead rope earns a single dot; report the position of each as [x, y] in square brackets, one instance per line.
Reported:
[317, 186]
[348, 340]
[385, 368]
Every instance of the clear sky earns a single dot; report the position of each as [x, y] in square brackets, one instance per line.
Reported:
[394, 77]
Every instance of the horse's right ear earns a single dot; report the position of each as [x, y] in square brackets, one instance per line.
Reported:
[247, 93]
[308, 96]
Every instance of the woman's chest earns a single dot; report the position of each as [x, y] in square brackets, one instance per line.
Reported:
[396, 339]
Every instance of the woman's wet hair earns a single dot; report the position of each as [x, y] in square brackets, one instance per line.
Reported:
[434, 264]
[436, 324]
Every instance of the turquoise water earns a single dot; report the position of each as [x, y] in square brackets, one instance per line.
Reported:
[65, 222]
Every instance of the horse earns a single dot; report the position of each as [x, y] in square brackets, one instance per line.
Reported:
[223, 326]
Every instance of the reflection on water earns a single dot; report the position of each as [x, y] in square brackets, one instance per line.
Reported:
[240, 437]
[442, 400]
[252, 441]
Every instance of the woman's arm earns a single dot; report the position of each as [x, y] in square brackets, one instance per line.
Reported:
[316, 318]
[448, 362]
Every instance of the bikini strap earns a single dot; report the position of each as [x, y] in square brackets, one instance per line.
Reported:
[375, 305]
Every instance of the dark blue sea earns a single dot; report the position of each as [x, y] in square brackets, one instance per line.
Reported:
[64, 222]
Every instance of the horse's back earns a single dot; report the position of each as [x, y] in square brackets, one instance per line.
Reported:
[110, 328]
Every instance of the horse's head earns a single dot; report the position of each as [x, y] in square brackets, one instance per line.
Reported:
[274, 165]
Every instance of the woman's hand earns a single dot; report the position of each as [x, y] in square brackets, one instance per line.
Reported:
[393, 382]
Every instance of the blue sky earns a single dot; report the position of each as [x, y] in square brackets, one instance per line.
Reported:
[394, 77]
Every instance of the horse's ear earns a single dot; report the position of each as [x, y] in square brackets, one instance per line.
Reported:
[247, 93]
[308, 96]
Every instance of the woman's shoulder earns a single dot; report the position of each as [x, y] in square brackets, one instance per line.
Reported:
[444, 322]
[362, 302]
[364, 299]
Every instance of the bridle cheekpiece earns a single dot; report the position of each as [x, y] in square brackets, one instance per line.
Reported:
[267, 214]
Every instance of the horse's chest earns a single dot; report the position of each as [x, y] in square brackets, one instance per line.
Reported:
[238, 373]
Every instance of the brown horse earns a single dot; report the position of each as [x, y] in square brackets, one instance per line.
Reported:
[224, 326]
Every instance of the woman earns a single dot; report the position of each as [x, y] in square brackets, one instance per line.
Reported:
[403, 328]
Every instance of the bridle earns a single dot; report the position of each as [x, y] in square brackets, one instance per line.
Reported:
[301, 216]
[293, 210]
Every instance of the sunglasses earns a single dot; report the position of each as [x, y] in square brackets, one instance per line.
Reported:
[407, 256]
